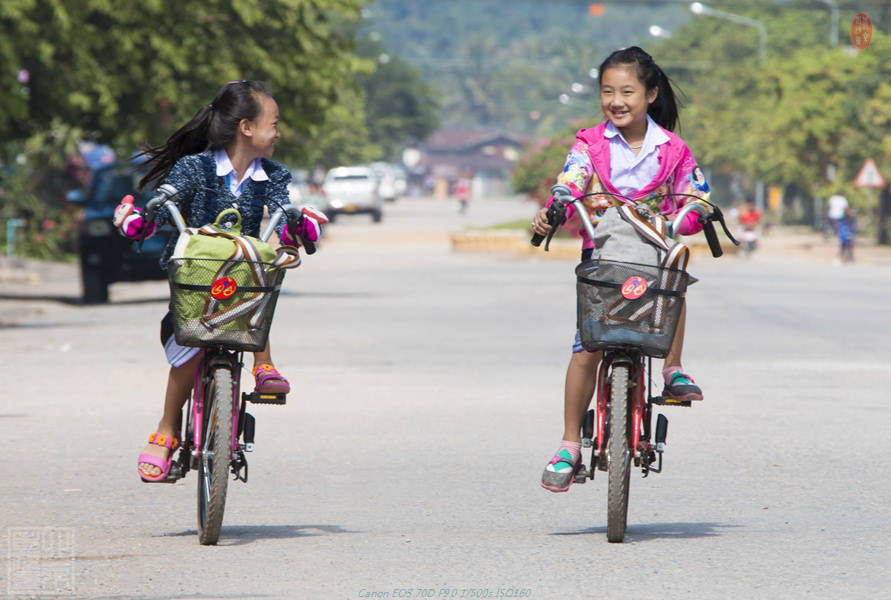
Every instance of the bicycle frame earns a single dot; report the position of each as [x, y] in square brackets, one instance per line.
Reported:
[210, 359]
[640, 406]
[194, 444]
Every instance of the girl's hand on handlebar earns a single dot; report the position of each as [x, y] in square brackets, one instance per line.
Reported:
[123, 210]
[307, 229]
[129, 220]
[540, 223]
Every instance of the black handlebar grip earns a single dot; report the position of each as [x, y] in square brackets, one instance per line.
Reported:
[712, 236]
[537, 238]
[309, 246]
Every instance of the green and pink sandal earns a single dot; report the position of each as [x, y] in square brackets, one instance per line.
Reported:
[559, 473]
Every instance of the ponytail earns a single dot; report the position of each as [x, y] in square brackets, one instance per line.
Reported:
[214, 126]
[664, 109]
[191, 138]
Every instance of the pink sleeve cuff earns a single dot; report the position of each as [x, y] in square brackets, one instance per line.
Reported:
[690, 224]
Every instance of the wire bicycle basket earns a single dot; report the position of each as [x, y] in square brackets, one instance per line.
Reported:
[629, 306]
[223, 303]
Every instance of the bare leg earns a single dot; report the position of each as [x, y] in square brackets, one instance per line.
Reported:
[179, 384]
[580, 380]
[264, 356]
[677, 346]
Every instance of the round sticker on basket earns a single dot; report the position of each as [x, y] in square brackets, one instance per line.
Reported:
[634, 287]
[223, 288]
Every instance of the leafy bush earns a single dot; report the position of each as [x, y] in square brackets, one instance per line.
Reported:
[537, 169]
[32, 190]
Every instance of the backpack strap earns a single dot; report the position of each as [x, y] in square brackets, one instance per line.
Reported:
[652, 232]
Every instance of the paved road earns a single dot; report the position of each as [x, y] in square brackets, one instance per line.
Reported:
[428, 399]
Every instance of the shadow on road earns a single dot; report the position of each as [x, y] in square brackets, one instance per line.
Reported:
[77, 301]
[656, 531]
[246, 534]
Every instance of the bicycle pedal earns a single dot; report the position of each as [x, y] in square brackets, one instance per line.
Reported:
[581, 476]
[662, 401]
[174, 474]
[258, 398]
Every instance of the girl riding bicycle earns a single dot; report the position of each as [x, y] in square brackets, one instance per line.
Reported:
[218, 160]
[633, 154]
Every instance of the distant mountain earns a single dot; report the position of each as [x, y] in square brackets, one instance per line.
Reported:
[503, 64]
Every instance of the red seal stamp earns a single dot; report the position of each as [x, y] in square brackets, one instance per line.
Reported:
[861, 31]
[634, 287]
[223, 288]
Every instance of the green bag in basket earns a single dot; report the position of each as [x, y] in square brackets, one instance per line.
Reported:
[223, 278]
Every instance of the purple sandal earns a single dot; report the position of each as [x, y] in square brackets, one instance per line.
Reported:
[269, 381]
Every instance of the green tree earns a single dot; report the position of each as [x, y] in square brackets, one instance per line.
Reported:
[128, 73]
[400, 107]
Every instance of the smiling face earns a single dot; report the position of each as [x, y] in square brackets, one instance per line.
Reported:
[624, 98]
[262, 132]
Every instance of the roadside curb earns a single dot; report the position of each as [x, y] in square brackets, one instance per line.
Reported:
[517, 242]
[17, 271]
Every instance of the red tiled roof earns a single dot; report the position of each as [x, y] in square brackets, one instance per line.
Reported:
[457, 139]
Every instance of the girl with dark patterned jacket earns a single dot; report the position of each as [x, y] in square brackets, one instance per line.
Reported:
[218, 160]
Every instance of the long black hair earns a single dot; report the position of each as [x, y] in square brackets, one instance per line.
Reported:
[664, 109]
[213, 126]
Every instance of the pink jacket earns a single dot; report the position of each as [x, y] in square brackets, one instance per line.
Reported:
[587, 170]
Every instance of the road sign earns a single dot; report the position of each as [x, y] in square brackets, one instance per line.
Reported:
[869, 176]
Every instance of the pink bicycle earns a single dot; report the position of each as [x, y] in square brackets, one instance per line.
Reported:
[217, 429]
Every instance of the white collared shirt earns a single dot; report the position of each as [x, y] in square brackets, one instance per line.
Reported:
[630, 172]
[225, 169]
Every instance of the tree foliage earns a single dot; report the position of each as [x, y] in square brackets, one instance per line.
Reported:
[792, 118]
[806, 110]
[400, 107]
[503, 63]
[127, 73]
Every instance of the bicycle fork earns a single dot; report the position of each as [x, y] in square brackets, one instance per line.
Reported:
[596, 427]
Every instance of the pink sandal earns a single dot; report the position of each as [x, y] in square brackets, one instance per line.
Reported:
[165, 441]
[269, 380]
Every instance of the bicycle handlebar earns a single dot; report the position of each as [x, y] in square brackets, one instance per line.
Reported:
[708, 213]
[165, 198]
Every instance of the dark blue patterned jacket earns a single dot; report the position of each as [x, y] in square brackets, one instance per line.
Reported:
[203, 195]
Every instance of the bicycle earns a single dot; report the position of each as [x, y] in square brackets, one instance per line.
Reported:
[217, 430]
[619, 429]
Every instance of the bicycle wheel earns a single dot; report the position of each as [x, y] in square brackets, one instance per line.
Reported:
[213, 461]
[619, 455]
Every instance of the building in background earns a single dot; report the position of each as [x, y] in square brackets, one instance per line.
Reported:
[487, 157]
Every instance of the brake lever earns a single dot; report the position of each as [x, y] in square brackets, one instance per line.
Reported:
[560, 216]
[720, 218]
[556, 215]
[148, 219]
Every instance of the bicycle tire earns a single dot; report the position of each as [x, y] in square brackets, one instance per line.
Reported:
[213, 472]
[619, 454]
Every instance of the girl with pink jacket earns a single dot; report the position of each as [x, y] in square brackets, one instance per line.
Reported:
[633, 153]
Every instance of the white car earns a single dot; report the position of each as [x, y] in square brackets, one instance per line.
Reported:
[388, 188]
[352, 190]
